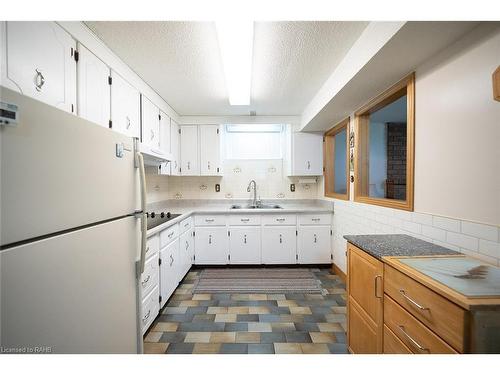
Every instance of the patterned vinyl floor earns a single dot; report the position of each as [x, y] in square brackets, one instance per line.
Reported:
[251, 323]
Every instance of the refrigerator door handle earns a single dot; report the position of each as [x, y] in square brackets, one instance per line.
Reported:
[144, 224]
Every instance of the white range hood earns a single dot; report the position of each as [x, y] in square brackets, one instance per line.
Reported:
[153, 156]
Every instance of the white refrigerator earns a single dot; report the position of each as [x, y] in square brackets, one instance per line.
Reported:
[72, 233]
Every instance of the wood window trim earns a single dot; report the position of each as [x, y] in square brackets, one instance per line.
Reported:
[329, 162]
[406, 85]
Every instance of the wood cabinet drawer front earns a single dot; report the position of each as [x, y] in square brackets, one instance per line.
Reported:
[186, 224]
[149, 278]
[203, 220]
[315, 219]
[439, 314]
[244, 220]
[152, 245]
[411, 332]
[393, 345]
[168, 235]
[150, 308]
[286, 219]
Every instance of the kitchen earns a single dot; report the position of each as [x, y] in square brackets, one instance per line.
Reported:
[243, 195]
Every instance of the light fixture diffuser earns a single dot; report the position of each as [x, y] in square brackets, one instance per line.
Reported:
[236, 49]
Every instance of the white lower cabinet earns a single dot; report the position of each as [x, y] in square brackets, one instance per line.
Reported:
[244, 245]
[169, 270]
[279, 245]
[313, 245]
[150, 308]
[212, 245]
[186, 246]
[149, 278]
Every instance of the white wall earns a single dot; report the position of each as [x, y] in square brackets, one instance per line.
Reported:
[457, 157]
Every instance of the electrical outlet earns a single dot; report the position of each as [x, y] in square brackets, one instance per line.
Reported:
[217, 188]
[292, 187]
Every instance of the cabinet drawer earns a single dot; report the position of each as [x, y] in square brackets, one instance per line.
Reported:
[152, 246]
[315, 219]
[286, 219]
[440, 315]
[244, 220]
[411, 332]
[149, 278]
[203, 220]
[186, 224]
[168, 235]
[150, 308]
[393, 345]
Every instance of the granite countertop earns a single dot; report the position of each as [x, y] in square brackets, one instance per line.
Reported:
[383, 245]
[220, 206]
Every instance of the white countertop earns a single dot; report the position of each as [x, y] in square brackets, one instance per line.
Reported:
[187, 208]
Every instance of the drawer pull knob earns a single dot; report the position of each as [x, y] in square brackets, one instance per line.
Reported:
[146, 317]
[146, 280]
[170, 234]
[209, 220]
[280, 219]
[412, 340]
[245, 220]
[316, 219]
[416, 304]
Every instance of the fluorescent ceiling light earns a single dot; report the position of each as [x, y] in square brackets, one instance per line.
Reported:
[236, 47]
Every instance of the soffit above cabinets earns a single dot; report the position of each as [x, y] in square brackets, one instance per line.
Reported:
[181, 62]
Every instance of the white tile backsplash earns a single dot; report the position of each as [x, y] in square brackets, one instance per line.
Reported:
[487, 232]
[489, 248]
[446, 223]
[434, 233]
[462, 241]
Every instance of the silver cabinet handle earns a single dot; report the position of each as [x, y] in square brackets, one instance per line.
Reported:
[378, 277]
[189, 165]
[209, 239]
[316, 219]
[280, 219]
[187, 245]
[281, 238]
[170, 234]
[171, 260]
[412, 340]
[147, 249]
[39, 80]
[208, 165]
[413, 302]
[245, 220]
[152, 134]
[146, 280]
[186, 225]
[315, 238]
[245, 238]
[308, 165]
[127, 120]
[146, 317]
[175, 164]
[209, 220]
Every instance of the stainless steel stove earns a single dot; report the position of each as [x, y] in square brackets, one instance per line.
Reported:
[159, 218]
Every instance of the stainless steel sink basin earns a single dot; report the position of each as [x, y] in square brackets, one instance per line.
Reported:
[257, 207]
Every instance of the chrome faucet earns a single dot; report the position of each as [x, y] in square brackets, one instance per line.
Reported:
[254, 201]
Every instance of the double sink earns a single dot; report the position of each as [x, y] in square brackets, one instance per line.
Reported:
[259, 206]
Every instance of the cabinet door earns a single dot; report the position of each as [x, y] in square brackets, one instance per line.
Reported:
[39, 62]
[150, 134]
[365, 304]
[314, 244]
[175, 146]
[279, 245]
[211, 245]
[94, 91]
[169, 270]
[185, 252]
[209, 150]
[125, 107]
[307, 158]
[189, 151]
[244, 245]
[165, 133]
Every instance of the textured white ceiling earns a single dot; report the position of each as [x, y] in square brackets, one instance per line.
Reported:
[181, 61]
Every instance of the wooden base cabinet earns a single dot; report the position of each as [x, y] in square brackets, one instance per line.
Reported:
[365, 302]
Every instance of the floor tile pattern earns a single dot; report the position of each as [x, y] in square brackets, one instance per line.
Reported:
[252, 323]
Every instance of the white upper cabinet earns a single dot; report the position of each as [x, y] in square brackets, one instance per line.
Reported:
[94, 91]
[38, 60]
[210, 150]
[125, 107]
[165, 133]
[150, 124]
[305, 154]
[174, 148]
[190, 160]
